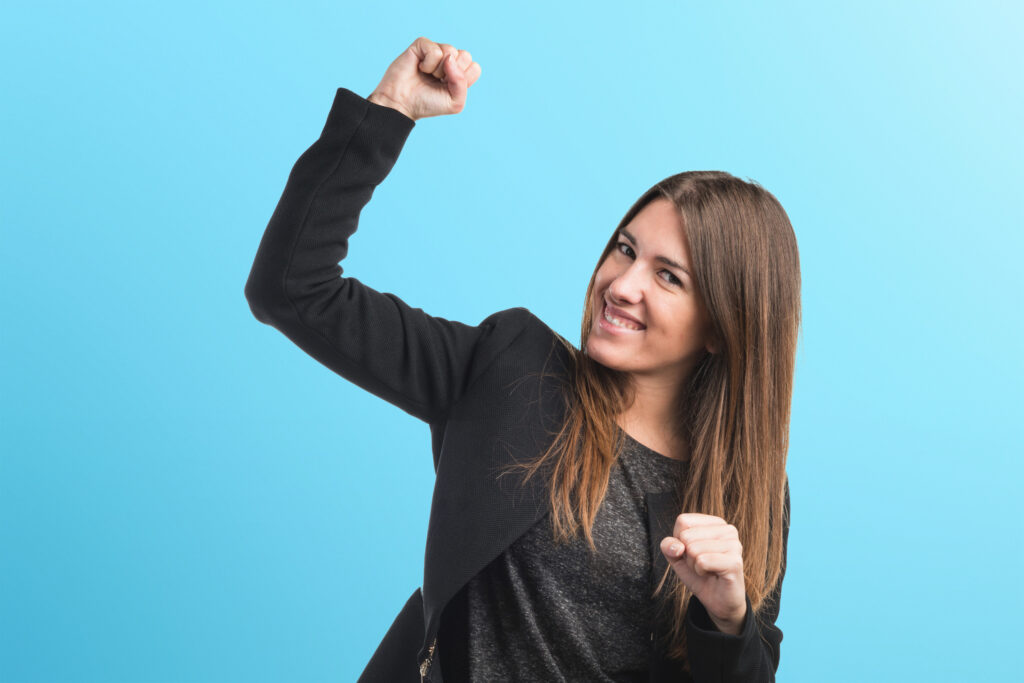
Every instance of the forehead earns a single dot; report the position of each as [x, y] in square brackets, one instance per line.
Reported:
[659, 227]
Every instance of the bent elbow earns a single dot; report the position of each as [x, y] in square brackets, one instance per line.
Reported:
[264, 299]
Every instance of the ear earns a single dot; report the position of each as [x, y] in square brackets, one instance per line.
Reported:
[710, 340]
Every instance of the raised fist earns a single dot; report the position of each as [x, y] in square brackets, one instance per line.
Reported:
[428, 79]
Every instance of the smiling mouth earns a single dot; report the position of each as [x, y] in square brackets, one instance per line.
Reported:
[619, 322]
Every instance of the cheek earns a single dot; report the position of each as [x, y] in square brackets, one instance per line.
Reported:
[607, 273]
[678, 322]
[693, 330]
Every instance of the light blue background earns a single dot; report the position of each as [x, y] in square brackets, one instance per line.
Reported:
[186, 496]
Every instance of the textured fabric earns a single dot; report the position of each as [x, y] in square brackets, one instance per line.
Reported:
[547, 611]
[489, 392]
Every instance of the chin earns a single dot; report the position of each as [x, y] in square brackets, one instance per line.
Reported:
[602, 357]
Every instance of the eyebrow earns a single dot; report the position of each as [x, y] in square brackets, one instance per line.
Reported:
[662, 259]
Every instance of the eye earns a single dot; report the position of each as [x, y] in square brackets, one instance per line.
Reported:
[672, 279]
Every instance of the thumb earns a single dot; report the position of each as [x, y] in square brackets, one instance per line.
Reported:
[678, 561]
[456, 80]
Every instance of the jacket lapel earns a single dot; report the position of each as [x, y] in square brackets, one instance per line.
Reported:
[662, 509]
[477, 512]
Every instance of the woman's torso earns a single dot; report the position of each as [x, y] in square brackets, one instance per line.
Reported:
[557, 612]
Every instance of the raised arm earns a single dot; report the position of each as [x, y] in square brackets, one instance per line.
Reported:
[418, 362]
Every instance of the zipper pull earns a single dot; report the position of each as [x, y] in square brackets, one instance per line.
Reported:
[425, 664]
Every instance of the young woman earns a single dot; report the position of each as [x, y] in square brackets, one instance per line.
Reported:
[617, 512]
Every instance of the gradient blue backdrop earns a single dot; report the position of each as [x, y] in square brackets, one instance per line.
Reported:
[186, 496]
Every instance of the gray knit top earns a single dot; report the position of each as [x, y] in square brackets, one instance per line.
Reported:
[544, 611]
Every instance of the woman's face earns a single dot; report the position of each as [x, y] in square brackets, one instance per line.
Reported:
[664, 325]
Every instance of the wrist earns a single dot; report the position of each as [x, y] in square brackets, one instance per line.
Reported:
[733, 627]
[385, 101]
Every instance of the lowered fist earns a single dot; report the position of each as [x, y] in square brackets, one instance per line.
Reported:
[706, 553]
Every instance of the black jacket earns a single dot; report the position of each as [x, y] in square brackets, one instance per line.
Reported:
[477, 387]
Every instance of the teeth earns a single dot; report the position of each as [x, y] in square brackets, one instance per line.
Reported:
[619, 322]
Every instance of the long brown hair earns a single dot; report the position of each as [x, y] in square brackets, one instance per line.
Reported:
[734, 410]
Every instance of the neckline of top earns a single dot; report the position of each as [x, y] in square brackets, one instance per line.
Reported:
[648, 450]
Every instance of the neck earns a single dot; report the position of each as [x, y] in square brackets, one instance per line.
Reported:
[653, 417]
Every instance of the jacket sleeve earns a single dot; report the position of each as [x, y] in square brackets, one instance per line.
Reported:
[418, 362]
[752, 656]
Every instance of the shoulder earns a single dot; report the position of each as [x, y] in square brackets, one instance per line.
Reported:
[520, 344]
[524, 361]
[520, 331]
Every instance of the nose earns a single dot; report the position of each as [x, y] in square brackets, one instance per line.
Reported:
[627, 287]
